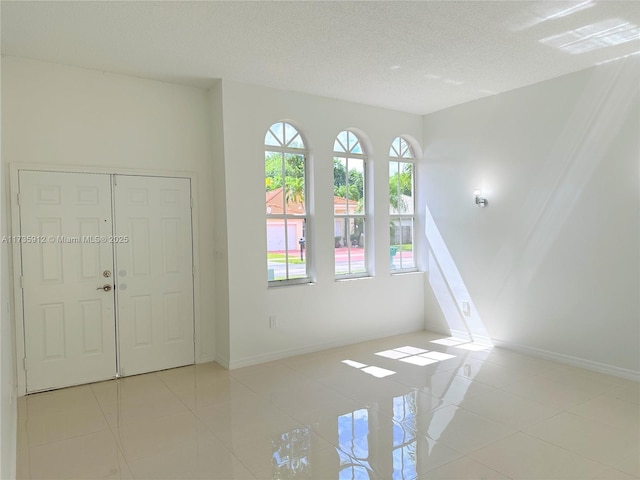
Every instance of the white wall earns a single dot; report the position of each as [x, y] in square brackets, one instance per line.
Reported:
[8, 411]
[552, 264]
[220, 228]
[328, 313]
[59, 115]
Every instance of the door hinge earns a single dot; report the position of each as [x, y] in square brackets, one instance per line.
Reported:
[115, 180]
[18, 198]
[24, 363]
[191, 199]
[21, 281]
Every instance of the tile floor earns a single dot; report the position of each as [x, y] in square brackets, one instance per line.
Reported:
[402, 407]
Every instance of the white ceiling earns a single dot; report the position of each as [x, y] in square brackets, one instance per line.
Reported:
[411, 56]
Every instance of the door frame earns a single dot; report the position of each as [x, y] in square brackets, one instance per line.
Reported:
[15, 262]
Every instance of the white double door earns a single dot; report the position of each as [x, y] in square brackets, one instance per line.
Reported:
[107, 276]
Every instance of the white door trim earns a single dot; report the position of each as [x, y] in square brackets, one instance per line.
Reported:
[15, 266]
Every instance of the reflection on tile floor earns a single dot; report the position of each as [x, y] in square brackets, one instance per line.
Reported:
[404, 407]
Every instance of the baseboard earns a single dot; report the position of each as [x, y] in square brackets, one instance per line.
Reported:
[280, 354]
[207, 357]
[437, 328]
[223, 362]
[461, 334]
[464, 335]
[482, 340]
[569, 360]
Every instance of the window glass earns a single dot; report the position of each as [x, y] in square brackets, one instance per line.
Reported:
[286, 204]
[349, 205]
[401, 206]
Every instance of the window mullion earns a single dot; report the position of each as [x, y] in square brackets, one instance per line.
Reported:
[286, 247]
[349, 241]
[401, 240]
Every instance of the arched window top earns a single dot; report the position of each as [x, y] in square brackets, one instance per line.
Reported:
[284, 135]
[348, 142]
[400, 148]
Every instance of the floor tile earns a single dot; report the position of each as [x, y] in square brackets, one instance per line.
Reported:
[590, 438]
[630, 465]
[51, 427]
[629, 392]
[460, 429]
[129, 400]
[613, 474]
[550, 392]
[235, 423]
[160, 435]
[307, 397]
[410, 456]
[199, 391]
[87, 457]
[373, 391]
[421, 377]
[367, 422]
[60, 402]
[515, 361]
[22, 440]
[452, 389]
[463, 469]
[202, 458]
[611, 410]
[333, 464]
[284, 456]
[593, 383]
[489, 374]
[264, 379]
[318, 365]
[313, 416]
[520, 456]
[504, 407]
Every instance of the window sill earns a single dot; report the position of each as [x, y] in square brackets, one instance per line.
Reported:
[349, 279]
[396, 273]
[284, 283]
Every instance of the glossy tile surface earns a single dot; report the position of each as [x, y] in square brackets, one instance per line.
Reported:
[405, 407]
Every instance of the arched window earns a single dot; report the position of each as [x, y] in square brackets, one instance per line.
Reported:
[401, 205]
[285, 162]
[349, 205]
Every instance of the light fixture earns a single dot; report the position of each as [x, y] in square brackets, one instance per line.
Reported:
[481, 201]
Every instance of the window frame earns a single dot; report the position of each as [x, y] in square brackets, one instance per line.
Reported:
[347, 217]
[285, 216]
[398, 156]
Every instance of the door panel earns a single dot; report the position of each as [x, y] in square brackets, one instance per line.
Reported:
[154, 273]
[69, 325]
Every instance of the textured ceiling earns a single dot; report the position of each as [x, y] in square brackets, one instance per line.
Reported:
[411, 56]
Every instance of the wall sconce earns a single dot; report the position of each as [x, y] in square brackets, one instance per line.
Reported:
[481, 200]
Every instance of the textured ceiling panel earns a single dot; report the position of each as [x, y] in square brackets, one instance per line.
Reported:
[410, 56]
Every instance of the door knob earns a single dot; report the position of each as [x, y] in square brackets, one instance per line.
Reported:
[106, 288]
